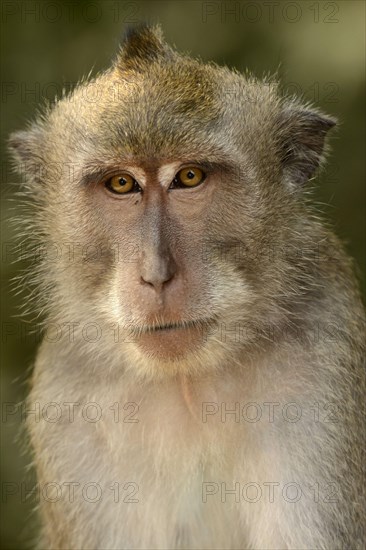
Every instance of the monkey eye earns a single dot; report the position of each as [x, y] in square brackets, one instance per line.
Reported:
[122, 184]
[188, 177]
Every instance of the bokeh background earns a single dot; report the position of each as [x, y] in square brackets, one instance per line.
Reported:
[318, 50]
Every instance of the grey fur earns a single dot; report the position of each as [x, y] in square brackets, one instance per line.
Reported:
[290, 289]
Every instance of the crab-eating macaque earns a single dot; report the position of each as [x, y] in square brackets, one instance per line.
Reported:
[199, 383]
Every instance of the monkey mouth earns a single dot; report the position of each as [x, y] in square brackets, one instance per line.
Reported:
[178, 325]
[170, 326]
[173, 340]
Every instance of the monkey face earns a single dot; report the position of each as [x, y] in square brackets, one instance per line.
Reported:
[170, 180]
[166, 270]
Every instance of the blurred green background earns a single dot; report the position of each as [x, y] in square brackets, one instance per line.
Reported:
[318, 49]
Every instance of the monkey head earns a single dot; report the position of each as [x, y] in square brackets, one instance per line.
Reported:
[172, 190]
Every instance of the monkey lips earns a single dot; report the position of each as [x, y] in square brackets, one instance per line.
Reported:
[173, 340]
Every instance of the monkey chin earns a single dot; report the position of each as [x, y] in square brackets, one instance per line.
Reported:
[189, 349]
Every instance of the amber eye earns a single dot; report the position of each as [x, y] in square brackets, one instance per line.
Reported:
[122, 184]
[189, 177]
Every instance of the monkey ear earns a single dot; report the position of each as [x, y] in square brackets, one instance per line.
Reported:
[141, 45]
[23, 147]
[302, 133]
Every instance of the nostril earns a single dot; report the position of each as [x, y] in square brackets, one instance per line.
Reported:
[145, 282]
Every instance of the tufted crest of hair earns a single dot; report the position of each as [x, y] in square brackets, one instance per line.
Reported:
[141, 46]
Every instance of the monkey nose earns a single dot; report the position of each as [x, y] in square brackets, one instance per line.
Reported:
[156, 272]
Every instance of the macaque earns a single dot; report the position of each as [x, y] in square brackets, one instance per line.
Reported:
[200, 378]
